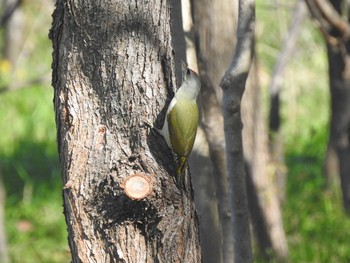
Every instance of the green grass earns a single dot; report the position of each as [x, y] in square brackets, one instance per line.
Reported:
[28, 157]
[36, 231]
[316, 226]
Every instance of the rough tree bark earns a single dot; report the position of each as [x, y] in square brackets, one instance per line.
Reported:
[113, 70]
[336, 31]
[233, 85]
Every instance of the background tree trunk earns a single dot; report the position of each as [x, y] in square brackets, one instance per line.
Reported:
[4, 258]
[336, 31]
[113, 70]
[233, 85]
[206, 200]
[338, 148]
[200, 162]
[14, 29]
[262, 195]
[275, 138]
[214, 47]
[214, 50]
[339, 136]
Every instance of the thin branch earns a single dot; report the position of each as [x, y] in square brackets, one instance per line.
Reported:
[329, 20]
[9, 10]
[335, 29]
[242, 58]
[333, 17]
[233, 85]
[289, 45]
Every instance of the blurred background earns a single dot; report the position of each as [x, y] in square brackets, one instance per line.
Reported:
[31, 217]
[29, 166]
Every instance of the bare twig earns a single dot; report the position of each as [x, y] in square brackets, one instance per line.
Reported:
[289, 42]
[9, 10]
[328, 19]
[276, 145]
[233, 85]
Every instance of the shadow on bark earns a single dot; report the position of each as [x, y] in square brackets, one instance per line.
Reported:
[257, 218]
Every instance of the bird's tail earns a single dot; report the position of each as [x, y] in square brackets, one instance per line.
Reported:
[182, 165]
[180, 172]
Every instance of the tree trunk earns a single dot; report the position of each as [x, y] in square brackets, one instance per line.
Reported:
[114, 71]
[201, 165]
[336, 30]
[263, 198]
[214, 50]
[275, 139]
[14, 32]
[339, 136]
[4, 258]
[338, 149]
[206, 200]
[233, 85]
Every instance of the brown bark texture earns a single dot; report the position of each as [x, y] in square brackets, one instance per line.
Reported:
[114, 71]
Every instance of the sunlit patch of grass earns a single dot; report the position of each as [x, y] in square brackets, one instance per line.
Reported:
[37, 232]
[315, 223]
[29, 165]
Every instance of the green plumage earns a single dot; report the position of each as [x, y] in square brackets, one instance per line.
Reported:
[184, 120]
[180, 126]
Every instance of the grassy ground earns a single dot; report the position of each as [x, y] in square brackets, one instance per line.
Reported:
[34, 219]
[316, 227]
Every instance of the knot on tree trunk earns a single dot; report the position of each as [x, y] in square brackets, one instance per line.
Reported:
[232, 104]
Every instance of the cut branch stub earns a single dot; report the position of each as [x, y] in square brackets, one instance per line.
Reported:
[137, 186]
